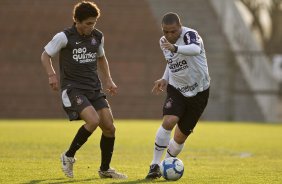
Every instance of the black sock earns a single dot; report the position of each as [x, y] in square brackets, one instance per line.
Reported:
[79, 139]
[107, 148]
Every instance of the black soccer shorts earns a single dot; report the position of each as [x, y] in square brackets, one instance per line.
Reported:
[188, 109]
[75, 100]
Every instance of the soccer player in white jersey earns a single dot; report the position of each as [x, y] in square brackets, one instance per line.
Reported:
[186, 79]
[81, 49]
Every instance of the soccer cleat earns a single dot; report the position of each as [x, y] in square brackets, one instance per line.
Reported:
[67, 165]
[111, 173]
[154, 172]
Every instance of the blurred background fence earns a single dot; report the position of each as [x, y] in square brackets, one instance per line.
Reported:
[243, 86]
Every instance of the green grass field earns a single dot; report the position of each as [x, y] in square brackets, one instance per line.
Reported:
[216, 152]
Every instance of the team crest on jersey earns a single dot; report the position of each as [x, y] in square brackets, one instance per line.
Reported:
[168, 103]
[73, 115]
[93, 41]
[79, 101]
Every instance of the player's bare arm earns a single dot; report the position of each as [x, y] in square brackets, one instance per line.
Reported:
[52, 77]
[103, 66]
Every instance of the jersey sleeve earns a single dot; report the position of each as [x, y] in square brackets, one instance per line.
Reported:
[101, 51]
[58, 42]
[166, 73]
[191, 45]
[191, 37]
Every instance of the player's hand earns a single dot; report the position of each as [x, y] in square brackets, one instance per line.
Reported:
[166, 45]
[159, 86]
[111, 87]
[54, 82]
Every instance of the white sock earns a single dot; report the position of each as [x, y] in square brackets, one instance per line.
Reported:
[173, 149]
[161, 142]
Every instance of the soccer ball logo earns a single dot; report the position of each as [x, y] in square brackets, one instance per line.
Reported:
[172, 168]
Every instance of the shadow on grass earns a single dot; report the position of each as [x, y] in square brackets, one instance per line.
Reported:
[64, 180]
[139, 181]
[58, 181]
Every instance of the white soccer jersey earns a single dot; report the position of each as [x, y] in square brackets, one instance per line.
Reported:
[187, 70]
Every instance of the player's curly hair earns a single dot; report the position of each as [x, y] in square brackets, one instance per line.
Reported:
[85, 9]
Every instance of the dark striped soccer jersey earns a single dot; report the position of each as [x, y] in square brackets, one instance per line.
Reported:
[78, 58]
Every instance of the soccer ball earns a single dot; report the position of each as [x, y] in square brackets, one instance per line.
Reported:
[172, 168]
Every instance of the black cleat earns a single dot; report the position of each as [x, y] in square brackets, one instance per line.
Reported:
[154, 172]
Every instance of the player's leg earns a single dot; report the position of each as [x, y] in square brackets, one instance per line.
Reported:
[161, 143]
[176, 144]
[91, 119]
[90, 116]
[98, 100]
[163, 136]
[107, 138]
[194, 109]
[107, 145]
[172, 110]
[77, 107]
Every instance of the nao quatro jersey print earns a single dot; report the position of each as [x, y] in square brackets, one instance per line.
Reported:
[78, 58]
[187, 73]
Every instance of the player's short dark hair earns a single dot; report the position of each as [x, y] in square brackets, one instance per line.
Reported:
[84, 10]
[171, 18]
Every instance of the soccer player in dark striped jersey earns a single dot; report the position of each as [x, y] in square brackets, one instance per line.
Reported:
[186, 79]
[81, 54]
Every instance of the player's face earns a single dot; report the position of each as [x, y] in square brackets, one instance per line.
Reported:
[171, 32]
[86, 26]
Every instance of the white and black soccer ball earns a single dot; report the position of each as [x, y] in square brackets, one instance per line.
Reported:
[172, 168]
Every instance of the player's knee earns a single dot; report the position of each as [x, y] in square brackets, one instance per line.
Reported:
[180, 138]
[109, 130]
[113, 130]
[92, 124]
[182, 133]
[169, 122]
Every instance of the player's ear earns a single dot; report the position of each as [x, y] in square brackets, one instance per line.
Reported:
[76, 21]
